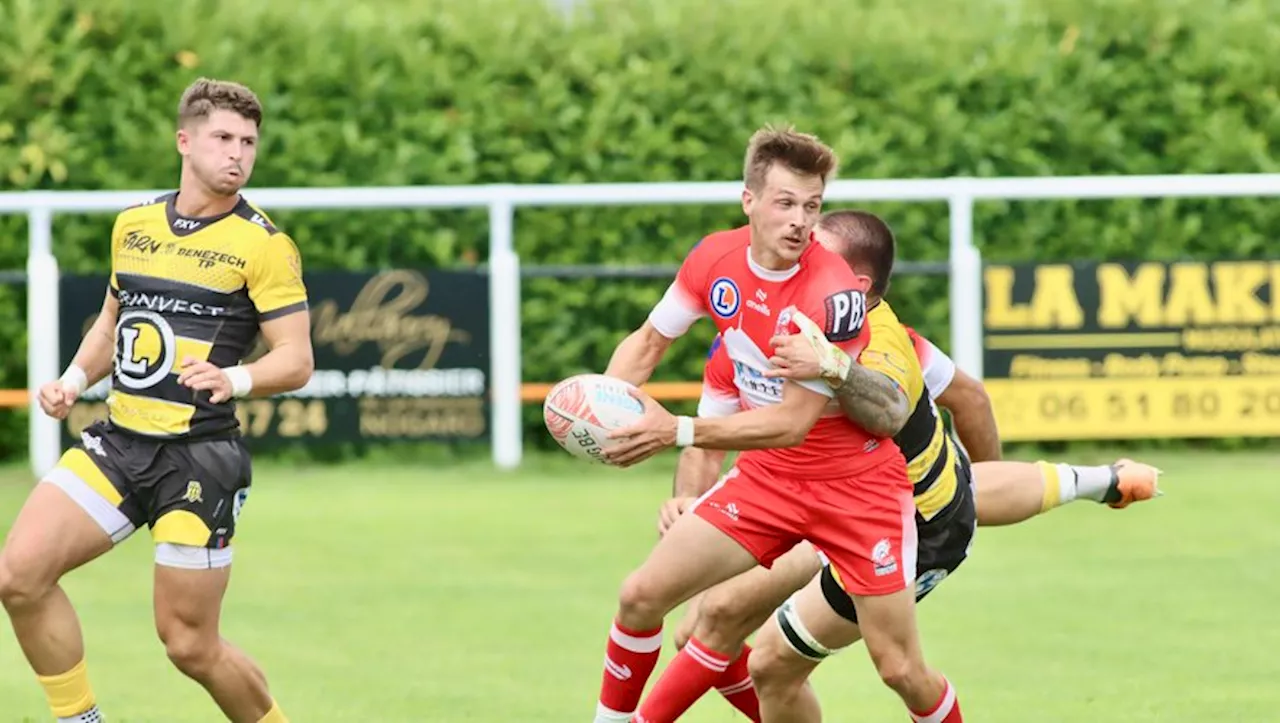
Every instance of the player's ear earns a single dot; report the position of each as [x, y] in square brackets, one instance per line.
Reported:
[183, 141]
[748, 201]
[862, 283]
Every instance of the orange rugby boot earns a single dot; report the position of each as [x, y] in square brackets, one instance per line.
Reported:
[1132, 482]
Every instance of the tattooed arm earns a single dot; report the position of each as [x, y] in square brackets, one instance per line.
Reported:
[870, 397]
[872, 400]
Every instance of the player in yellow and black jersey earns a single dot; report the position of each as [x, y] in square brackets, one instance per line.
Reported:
[191, 289]
[888, 395]
[933, 462]
[196, 276]
[947, 485]
[946, 516]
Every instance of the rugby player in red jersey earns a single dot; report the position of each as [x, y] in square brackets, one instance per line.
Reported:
[807, 472]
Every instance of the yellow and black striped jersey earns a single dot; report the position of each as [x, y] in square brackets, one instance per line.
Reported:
[191, 287]
[924, 441]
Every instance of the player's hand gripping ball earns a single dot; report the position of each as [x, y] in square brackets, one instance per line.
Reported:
[580, 411]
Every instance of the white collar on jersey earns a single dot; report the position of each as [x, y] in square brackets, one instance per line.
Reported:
[770, 274]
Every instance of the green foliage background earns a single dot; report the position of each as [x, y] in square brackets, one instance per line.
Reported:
[517, 91]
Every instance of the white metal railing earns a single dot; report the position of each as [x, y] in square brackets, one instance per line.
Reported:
[504, 289]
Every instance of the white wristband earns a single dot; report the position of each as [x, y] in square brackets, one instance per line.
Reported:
[74, 380]
[684, 431]
[241, 380]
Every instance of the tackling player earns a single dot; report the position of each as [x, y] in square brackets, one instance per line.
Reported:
[800, 478]
[1006, 491]
[195, 276]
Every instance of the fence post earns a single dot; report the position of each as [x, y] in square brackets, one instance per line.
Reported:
[966, 286]
[42, 337]
[504, 331]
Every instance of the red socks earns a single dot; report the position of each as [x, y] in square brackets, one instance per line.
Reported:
[946, 710]
[736, 687]
[693, 672]
[629, 661]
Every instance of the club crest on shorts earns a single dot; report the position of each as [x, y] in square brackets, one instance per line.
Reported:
[238, 504]
[93, 444]
[194, 492]
[883, 559]
[929, 579]
[724, 297]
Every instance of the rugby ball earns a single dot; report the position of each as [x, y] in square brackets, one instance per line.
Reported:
[581, 410]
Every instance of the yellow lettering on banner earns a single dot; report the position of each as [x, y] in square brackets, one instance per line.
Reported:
[1189, 299]
[1176, 364]
[422, 418]
[1030, 366]
[1126, 300]
[1119, 365]
[1255, 363]
[1001, 311]
[1231, 338]
[1217, 321]
[1235, 297]
[1053, 305]
[1136, 408]
[1237, 284]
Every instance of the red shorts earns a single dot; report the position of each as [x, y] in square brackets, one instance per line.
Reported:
[865, 525]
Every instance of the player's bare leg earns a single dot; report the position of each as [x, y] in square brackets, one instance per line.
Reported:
[692, 556]
[726, 616]
[781, 678]
[734, 609]
[806, 630]
[888, 627]
[780, 667]
[188, 604]
[52, 536]
[1011, 492]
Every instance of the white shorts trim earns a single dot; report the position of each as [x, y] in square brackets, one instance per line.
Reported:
[910, 542]
[733, 472]
[112, 521]
[189, 557]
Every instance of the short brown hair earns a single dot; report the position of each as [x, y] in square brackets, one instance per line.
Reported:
[206, 95]
[865, 240]
[800, 152]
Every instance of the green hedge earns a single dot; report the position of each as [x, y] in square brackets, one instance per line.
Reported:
[517, 92]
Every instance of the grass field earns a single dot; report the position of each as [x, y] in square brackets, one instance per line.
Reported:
[379, 593]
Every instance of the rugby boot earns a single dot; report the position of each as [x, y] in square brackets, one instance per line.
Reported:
[1131, 482]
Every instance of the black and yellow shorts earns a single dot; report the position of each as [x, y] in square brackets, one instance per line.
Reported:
[189, 493]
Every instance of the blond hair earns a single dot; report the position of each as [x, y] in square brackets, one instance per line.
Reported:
[800, 153]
